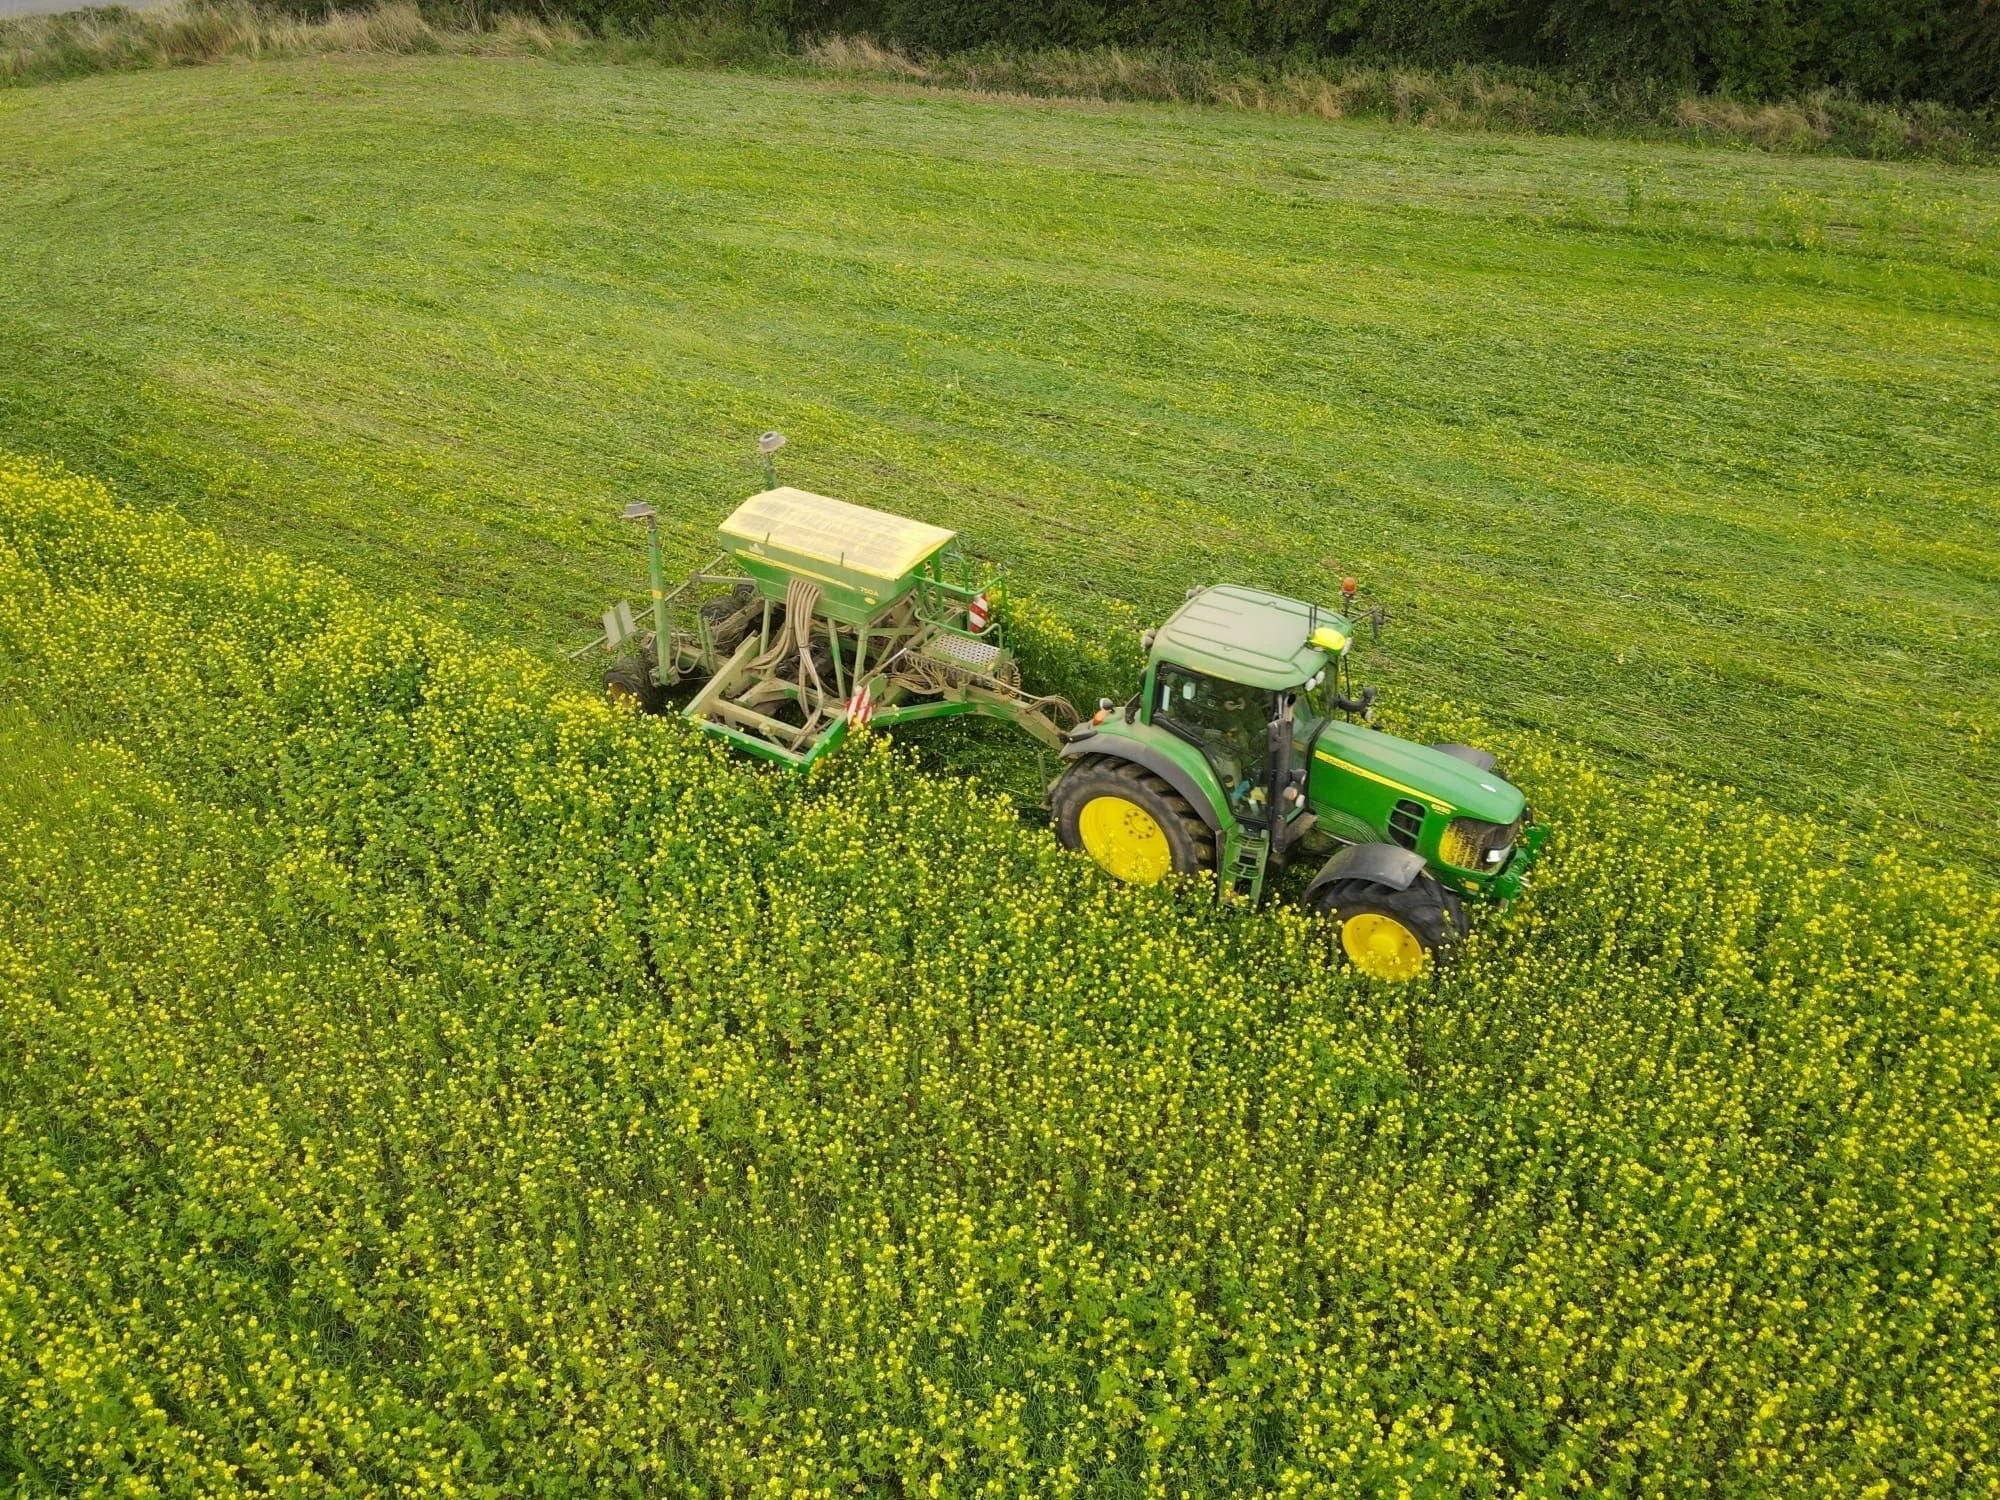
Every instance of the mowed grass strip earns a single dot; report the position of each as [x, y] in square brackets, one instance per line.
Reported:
[1691, 456]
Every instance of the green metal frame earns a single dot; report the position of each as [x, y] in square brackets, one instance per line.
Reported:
[941, 601]
[874, 631]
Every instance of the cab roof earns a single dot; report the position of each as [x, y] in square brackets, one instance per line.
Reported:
[822, 529]
[1248, 636]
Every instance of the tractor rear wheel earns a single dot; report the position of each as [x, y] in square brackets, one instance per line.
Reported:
[1392, 934]
[630, 680]
[1130, 821]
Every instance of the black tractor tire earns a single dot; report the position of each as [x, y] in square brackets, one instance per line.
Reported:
[630, 680]
[731, 617]
[1391, 934]
[1140, 830]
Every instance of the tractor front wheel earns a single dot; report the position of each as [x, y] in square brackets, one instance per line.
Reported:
[1392, 934]
[1130, 821]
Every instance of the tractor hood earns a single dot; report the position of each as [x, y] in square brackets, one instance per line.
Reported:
[1442, 782]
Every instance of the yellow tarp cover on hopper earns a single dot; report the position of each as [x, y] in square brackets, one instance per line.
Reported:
[832, 531]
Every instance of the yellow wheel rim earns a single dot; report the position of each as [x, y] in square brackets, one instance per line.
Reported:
[1381, 947]
[1126, 839]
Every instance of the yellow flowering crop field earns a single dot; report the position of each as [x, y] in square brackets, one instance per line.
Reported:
[422, 1079]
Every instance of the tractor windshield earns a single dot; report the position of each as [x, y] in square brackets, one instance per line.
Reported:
[1228, 722]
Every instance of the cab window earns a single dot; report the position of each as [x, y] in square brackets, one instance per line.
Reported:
[1228, 721]
[1311, 708]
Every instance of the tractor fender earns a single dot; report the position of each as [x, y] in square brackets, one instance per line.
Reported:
[1383, 864]
[1117, 747]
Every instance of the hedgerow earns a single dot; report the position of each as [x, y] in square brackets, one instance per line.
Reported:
[423, 1079]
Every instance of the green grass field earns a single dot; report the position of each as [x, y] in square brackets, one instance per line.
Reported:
[1690, 457]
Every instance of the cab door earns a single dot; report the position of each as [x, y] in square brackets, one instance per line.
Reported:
[1229, 723]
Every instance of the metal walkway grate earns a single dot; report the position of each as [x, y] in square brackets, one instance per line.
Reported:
[979, 655]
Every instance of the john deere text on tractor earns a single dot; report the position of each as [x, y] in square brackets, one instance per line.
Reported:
[1240, 752]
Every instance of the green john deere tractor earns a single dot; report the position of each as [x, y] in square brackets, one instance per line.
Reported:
[1240, 754]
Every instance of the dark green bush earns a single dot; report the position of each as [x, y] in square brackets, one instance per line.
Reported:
[1877, 49]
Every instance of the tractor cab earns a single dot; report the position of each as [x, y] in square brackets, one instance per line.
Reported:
[1228, 722]
[1243, 677]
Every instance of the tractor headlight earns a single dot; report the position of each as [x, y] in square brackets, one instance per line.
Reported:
[1472, 844]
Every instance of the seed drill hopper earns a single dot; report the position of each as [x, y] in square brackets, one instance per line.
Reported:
[818, 616]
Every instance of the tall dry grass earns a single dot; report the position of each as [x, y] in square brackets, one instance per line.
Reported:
[189, 32]
[46, 48]
[113, 38]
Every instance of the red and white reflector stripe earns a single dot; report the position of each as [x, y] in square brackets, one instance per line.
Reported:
[976, 612]
[860, 708]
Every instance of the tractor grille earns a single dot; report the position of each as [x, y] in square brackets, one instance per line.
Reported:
[1471, 844]
[1406, 821]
